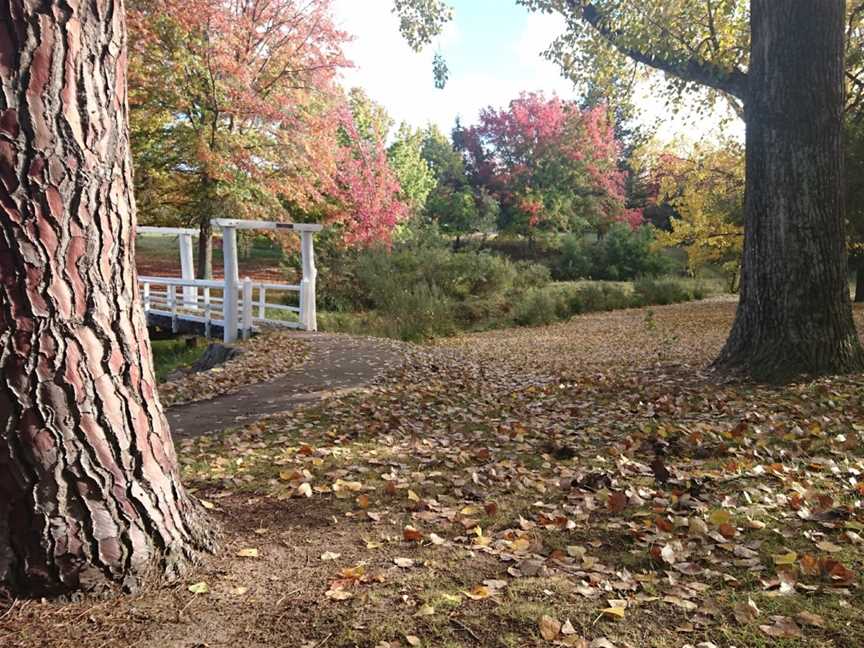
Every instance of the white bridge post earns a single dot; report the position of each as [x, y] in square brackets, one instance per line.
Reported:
[230, 305]
[187, 271]
[308, 312]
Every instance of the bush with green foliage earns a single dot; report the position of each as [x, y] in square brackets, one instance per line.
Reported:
[381, 275]
[427, 290]
[622, 254]
[650, 292]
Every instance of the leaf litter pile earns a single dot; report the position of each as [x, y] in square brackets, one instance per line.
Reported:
[588, 484]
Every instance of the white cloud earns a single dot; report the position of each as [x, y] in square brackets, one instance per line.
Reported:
[537, 72]
[386, 67]
[402, 80]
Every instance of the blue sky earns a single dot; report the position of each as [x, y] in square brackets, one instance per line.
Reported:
[493, 51]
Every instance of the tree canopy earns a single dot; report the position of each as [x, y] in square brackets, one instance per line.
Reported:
[549, 164]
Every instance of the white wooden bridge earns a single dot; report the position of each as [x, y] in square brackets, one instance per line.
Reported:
[231, 306]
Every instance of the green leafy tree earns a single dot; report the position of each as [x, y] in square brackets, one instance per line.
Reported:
[455, 205]
[413, 171]
[371, 119]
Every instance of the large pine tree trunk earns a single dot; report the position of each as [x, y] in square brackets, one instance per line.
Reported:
[794, 316]
[89, 485]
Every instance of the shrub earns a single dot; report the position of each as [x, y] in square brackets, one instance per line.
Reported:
[575, 261]
[535, 307]
[416, 314]
[422, 292]
[651, 292]
[591, 299]
[622, 255]
[454, 275]
[531, 275]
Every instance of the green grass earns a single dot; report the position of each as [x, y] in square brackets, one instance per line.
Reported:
[170, 355]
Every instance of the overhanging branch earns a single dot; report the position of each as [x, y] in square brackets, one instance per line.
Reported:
[730, 82]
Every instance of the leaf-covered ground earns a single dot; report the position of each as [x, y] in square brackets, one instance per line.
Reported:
[586, 484]
[262, 359]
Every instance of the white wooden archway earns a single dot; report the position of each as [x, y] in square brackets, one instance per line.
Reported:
[233, 304]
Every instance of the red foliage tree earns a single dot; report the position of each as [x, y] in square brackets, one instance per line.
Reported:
[236, 112]
[550, 164]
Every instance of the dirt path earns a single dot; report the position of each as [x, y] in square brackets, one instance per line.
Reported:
[336, 364]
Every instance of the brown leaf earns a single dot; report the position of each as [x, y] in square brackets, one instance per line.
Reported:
[617, 502]
[746, 612]
[550, 628]
[783, 628]
[810, 619]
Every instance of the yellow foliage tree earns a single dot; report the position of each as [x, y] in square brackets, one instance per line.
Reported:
[706, 189]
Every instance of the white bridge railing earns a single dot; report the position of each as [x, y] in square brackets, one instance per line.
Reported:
[236, 309]
[233, 305]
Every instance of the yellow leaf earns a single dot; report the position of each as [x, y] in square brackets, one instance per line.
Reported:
[478, 593]
[305, 490]
[521, 544]
[248, 553]
[207, 505]
[353, 573]
[617, 612]
[720, 517]
[788, 558]
[199, 588]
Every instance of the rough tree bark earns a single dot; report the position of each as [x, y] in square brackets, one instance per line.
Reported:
[89, 488]
[859, 284]
[204, 269]
[794, 315]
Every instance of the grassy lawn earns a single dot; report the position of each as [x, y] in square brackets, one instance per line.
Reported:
[170, 355]
[583, 484]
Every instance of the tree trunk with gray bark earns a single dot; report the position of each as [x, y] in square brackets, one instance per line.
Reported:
[90, 493]
[794, 315]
